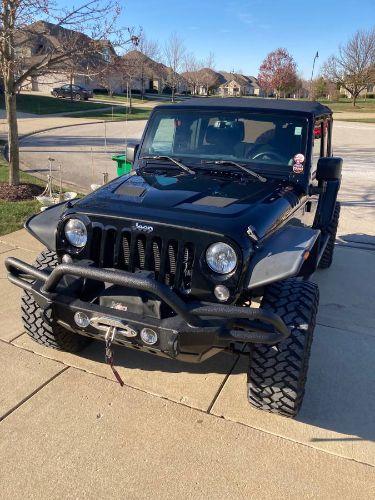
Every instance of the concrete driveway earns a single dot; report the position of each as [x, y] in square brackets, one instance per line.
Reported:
[68, 430]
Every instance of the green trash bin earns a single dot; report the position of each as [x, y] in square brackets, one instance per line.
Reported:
[123, 167]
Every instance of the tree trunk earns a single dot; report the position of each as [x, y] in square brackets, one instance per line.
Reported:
[14, 155]
[354, 99]
[71, 86]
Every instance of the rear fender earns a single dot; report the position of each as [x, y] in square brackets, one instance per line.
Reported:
[43, 226]
[291, 251]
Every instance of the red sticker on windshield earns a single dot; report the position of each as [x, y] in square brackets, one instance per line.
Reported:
[298, 168]
[299, 158]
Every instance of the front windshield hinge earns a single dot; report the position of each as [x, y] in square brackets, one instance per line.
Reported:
[252, 234]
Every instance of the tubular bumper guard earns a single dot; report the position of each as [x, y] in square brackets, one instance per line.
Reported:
[194, 330]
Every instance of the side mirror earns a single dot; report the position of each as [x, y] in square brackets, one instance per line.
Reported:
[329, 169]
[131, 152]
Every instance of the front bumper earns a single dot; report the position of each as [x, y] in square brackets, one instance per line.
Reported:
[192, 333]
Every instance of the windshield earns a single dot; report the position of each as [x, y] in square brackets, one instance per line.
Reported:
[201, 135]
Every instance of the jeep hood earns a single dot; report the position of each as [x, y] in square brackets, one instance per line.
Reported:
[224, 205]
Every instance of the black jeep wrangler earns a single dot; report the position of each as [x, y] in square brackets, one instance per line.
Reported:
[207, 245]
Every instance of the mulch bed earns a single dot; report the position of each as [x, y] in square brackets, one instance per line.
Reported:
[21, 192]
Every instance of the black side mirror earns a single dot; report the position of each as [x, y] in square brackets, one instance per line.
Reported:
[131, 152]
[329, 169]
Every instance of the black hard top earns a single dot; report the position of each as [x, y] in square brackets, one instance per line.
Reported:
[254, 104]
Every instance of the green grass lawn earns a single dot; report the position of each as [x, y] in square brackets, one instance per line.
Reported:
[45, 105]
[121, 98]
[346, 105]
[119, 114]
[13, 214]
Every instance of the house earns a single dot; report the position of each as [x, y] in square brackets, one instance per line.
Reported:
[203, 81]
[145, 74]
[236, 84]
[43, 39]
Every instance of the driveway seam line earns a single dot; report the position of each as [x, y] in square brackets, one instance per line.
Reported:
[294, 441]
[29, 396]
[346, 330]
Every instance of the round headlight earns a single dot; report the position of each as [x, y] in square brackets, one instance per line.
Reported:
[76, 233]
[221, 258]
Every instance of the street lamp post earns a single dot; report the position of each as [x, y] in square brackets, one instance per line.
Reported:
[312, 75]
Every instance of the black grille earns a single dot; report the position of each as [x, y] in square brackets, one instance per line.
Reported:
[171, 260]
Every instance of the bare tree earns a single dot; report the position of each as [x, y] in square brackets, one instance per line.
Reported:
[27, 50]
[209, 79]
[129, 68]
[174, 56]
[353, 67]
[151, 50]
[191, 69]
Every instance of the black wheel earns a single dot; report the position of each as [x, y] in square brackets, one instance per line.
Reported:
[55, 94]
[35, 325]
[327, 256]
[77, 97]
[277, 374]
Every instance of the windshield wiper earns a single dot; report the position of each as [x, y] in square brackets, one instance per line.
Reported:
[239, 166]
[169, 158]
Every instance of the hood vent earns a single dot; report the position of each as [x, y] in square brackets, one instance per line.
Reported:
[130, 190]
[215, 201]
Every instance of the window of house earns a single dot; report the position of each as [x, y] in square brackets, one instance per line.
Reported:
[106, 54]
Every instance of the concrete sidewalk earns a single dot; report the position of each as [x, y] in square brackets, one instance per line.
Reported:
[68, 430]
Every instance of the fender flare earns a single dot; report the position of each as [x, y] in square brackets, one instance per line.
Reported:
[43, 226]
[291, 251]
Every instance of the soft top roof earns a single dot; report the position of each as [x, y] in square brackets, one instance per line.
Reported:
[254, 104]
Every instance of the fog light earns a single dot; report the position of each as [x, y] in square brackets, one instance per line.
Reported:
[81, 319]
[222, 293]
[149, 336]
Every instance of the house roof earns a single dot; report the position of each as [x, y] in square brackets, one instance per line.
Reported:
[255, 104]
[44, 38]
[152, 68]
[204, 76]
[241, 80]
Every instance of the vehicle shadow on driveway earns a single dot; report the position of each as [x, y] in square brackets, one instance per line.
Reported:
[360, 238]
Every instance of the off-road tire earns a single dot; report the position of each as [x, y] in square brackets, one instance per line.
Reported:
[327, 256]
[37, 327]
[277, 374]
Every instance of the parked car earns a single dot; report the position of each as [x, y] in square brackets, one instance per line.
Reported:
[207, 245]
[75, 92]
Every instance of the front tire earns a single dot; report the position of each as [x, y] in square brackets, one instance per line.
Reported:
[44, 333]
[277, 374]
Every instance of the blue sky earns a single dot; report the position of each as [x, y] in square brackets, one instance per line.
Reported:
[241, 32]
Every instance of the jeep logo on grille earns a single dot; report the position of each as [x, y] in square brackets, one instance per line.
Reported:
[143, 227]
